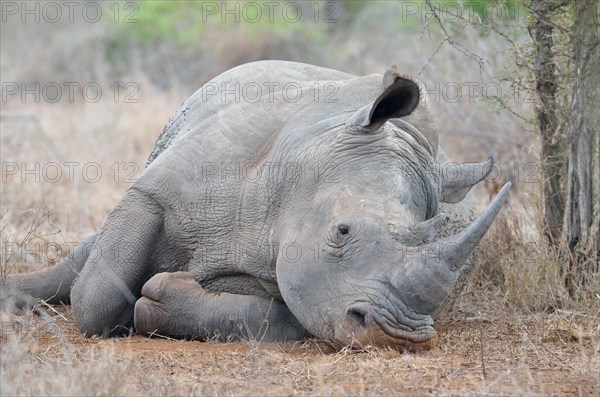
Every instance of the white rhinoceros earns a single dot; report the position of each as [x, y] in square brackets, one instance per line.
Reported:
[284, 200]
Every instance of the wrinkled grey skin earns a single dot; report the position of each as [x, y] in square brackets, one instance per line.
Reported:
[284, 217]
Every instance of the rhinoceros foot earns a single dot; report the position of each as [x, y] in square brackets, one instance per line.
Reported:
[162, 308]
[176, 305]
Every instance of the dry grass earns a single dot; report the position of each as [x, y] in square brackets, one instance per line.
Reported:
[523, 355]
[522, 272]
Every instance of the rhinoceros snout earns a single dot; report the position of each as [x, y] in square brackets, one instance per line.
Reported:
[363, 326]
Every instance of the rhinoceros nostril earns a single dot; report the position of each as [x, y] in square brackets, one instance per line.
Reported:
[358, 316]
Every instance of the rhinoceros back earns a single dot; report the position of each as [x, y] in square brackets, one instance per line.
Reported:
[205, 103]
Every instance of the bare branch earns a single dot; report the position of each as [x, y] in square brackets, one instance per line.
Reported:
[459, 47]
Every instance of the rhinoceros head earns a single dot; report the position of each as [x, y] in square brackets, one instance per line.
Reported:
[371, 271]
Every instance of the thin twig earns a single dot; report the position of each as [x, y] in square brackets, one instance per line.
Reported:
[153, 334]
[44, 303]
[432, 55]
[482, 352]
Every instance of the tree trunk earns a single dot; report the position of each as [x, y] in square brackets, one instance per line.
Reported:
[582, 218]
[552, 151]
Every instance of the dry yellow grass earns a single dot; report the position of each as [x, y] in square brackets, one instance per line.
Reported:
[496, 355]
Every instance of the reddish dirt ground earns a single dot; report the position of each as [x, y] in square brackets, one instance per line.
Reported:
[532, 355]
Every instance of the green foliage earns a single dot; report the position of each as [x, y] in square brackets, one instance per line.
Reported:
[186, 24]
[486, 11]
[171, 21]
[152, 22]
[497, 9]
[352, 8]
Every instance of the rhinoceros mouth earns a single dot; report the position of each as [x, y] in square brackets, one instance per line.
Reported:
[365, 326]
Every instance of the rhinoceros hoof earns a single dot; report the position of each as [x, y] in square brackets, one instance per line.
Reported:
[161, 309]
[145, 315]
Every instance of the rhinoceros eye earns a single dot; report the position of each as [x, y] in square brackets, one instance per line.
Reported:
[343, 229]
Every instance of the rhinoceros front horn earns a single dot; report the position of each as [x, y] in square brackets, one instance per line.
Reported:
[458, 248]
[435, 268]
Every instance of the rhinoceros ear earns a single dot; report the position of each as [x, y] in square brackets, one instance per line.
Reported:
[458, 179]
[399, 99]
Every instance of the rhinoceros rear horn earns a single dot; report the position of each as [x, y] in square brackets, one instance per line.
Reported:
[398, 100]
[457, 179]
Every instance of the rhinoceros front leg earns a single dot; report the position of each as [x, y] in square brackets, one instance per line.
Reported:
[104, 294]
[176, 305]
